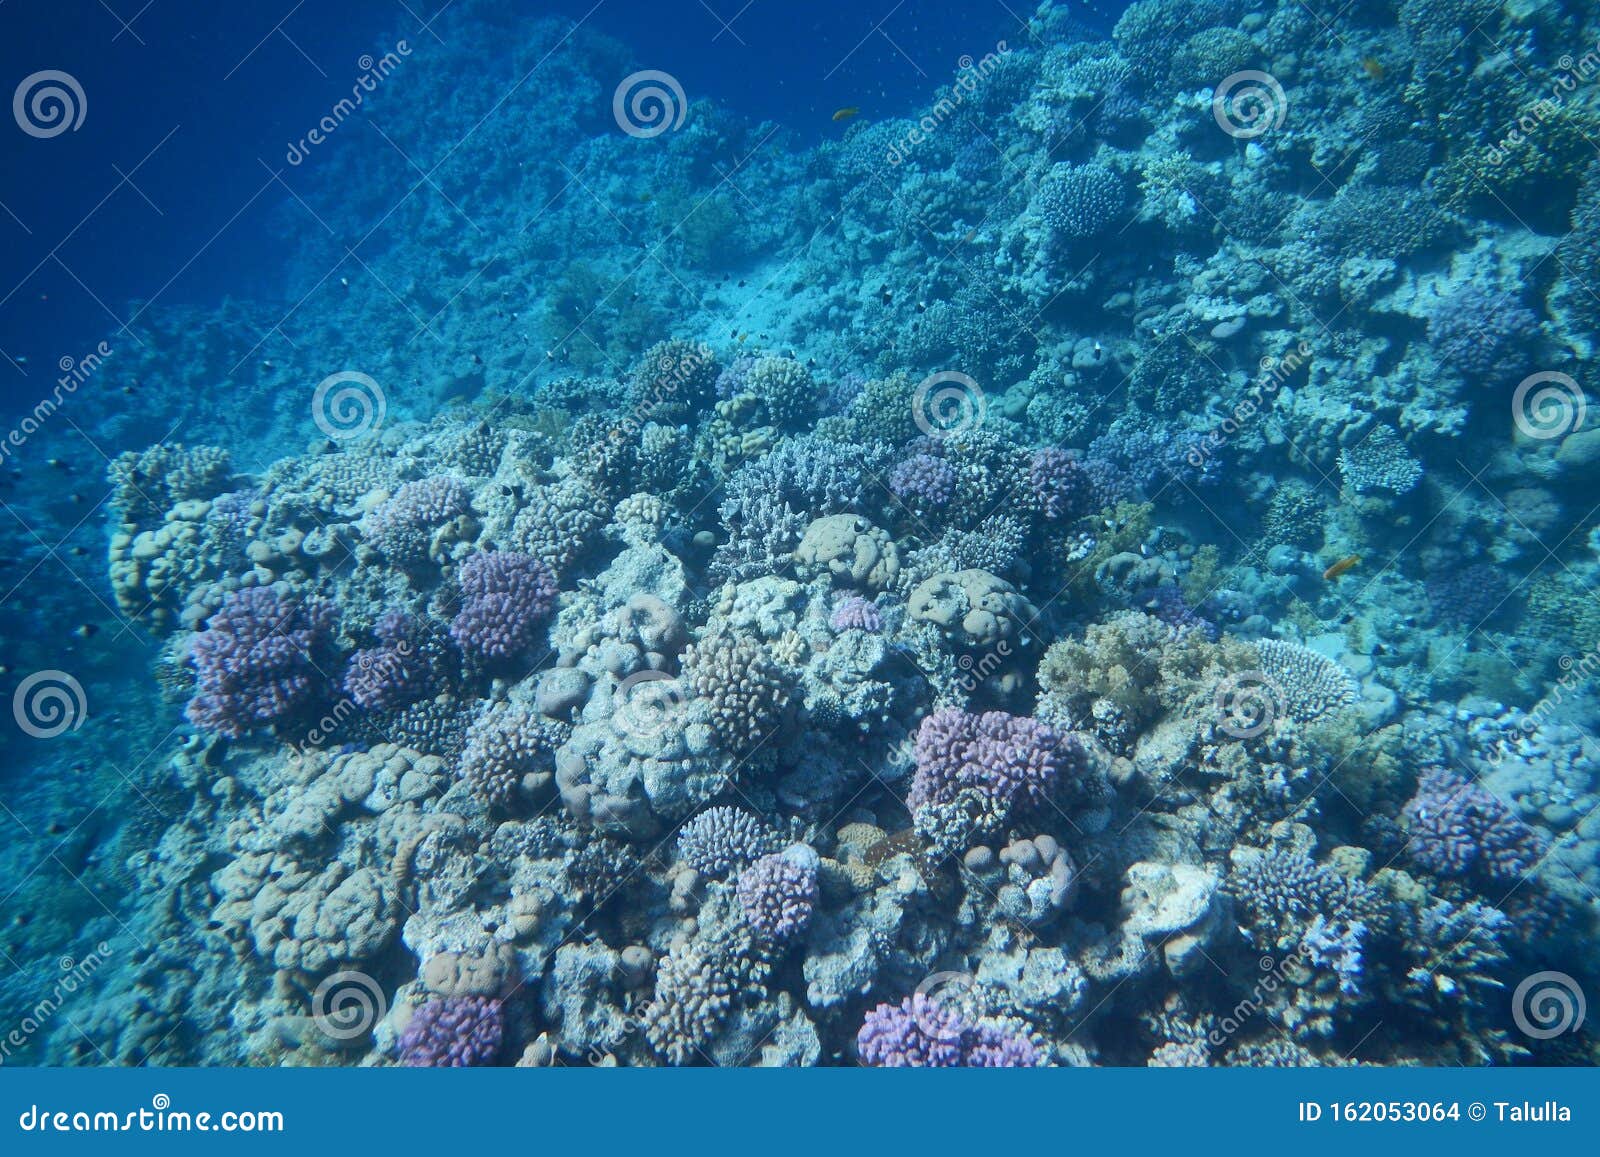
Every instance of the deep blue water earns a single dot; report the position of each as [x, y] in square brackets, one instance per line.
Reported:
[992, 534]
[164, 194]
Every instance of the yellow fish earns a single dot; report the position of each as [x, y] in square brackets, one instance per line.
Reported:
[846, 113]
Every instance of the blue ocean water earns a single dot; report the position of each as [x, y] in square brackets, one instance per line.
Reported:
[620, 533]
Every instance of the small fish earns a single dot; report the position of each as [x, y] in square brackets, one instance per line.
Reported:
[86, 631]
[1373, 67]
[846, 113]
[645, 197]
[1338, 568]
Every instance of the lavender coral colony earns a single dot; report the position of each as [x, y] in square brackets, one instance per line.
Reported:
[963, 601]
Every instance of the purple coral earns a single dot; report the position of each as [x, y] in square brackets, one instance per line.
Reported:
[454, 1032]
[854, 613]
[1003, 756]
[261, 657]
[778, 892]
[403, 525]
[397, 671]
[1166, 602]
[1457, 828]
[1063, 489]
[506, 594]
[924, 479]
[920, 1033]
[1481, 334]
[1469, 596]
